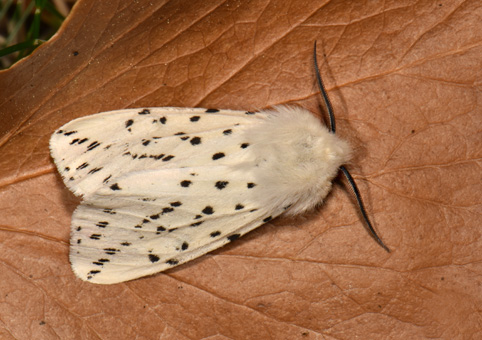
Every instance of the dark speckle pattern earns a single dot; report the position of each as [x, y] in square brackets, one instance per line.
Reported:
[218, 156]
[185, 183]
[269, 218]
[221, 184]
[215, 233]
[145, 148]
[233, 237]
[172, 262]
[93, 145]
[208, 210]
[167, 158]
[115, 187]
[195, 140]
[153, 258]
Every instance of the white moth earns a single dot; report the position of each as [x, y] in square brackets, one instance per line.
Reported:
[162, 186]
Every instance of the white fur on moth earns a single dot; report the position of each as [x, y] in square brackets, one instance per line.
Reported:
[162, 186]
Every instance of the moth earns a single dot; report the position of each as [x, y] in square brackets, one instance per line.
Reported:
[163, 186]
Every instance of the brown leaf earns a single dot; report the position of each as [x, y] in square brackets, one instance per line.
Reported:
[404, 78]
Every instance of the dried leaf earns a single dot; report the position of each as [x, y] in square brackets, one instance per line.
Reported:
[404, 77]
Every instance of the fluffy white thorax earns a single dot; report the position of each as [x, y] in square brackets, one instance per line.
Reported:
[296, 158]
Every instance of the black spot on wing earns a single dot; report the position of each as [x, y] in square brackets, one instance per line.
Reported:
[185, 183]
[157, 157]
[194, 118]
[233, 237]
[227, 132]
[215, 233]
[100, 262]
[175, 204]
[93, 145]
[115, 187]
[218, 156]
[68, 133]
[144, 112]
[212, 110]
[269, 218]
[145, 142]
[102, 224]
[197, 224]
[221, 184]
[195, 140]
[167, 210]
[82, 166]
[129, 123]
[239, 207]
[167, 158]
[172, 262]
[184, 245]
[208, 210]
[250, 112]
[163, 120]
[126, 244]
[95, 236]
[111, 251]
[251, 185]
[153, 258]
[94, 170]
[244, 145]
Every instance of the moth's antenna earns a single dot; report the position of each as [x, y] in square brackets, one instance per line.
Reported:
[329, 108]
[350, 179]
[354, 188]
